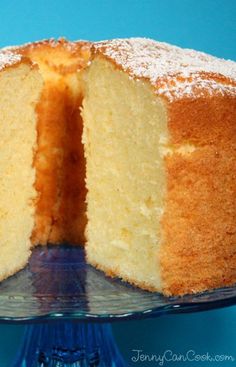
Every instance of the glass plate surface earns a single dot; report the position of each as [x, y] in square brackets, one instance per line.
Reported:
[58, 284]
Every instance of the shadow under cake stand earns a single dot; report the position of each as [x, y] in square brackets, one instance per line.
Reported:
[68, 307]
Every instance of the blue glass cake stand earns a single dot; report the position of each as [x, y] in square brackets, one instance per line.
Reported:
[68, 307]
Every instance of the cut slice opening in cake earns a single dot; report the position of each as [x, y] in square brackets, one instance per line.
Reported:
[59, 161]
[124, 123]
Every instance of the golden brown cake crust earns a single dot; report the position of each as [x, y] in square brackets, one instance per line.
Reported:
[77, 53]
[199, 232]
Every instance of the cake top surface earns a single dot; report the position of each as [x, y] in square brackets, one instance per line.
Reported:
[173, 71]
[59, 57]
[9, 59]
[70, 46]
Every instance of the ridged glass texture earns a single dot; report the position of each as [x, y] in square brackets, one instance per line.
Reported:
[58, 284]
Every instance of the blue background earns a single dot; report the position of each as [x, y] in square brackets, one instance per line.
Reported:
[206, 25]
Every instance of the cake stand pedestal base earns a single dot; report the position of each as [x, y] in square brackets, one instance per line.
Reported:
[68, 344]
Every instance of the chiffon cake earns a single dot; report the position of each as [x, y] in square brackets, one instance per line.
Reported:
[127, 147]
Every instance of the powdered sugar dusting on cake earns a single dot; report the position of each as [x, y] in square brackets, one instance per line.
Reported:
[173, 71]
[8, 59]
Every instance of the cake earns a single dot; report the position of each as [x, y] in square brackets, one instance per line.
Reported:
[160, 147]
[20, 89]
[148, 167]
